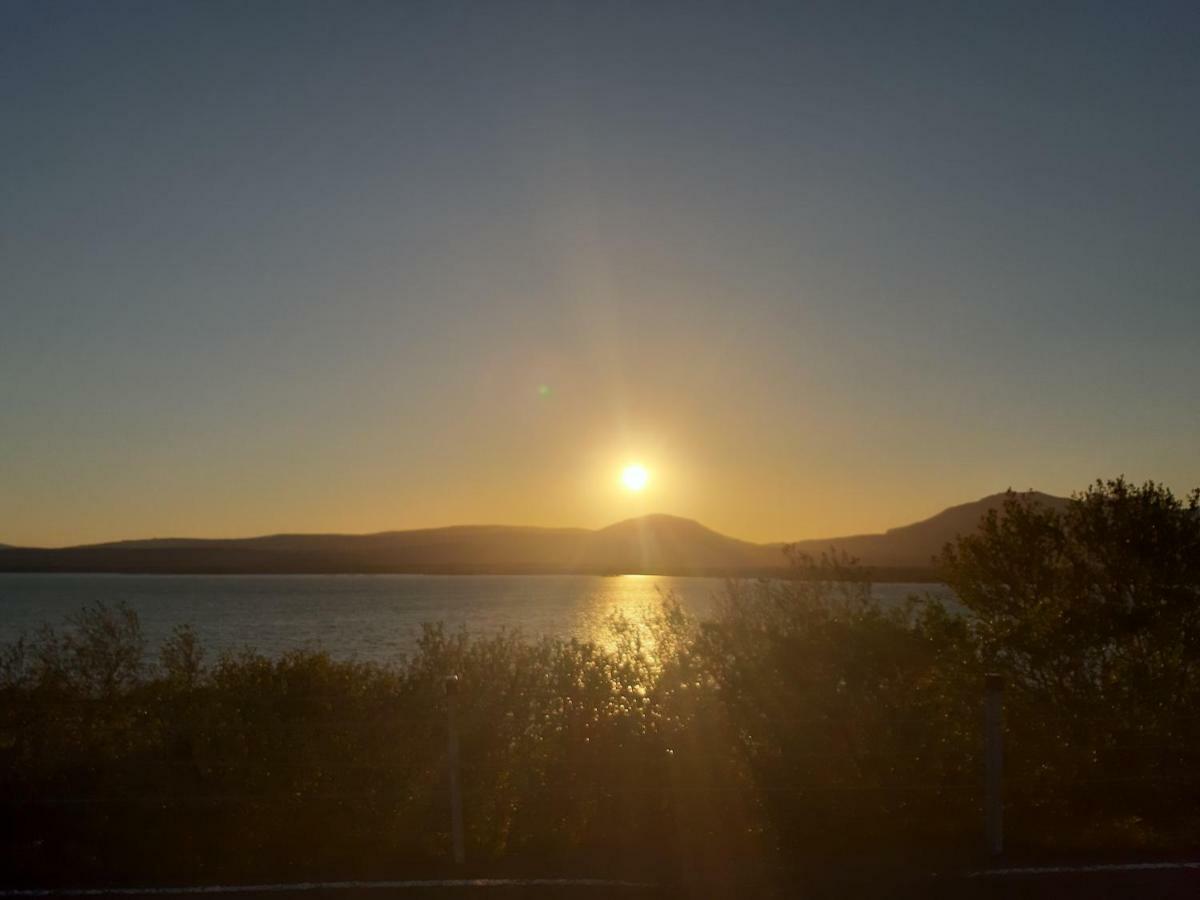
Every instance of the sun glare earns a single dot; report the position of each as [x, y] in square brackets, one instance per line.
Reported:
[635, 477]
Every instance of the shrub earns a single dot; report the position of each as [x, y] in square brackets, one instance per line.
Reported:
[802, 721]
[1092, 613]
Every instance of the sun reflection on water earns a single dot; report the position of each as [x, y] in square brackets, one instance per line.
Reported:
[624, 609]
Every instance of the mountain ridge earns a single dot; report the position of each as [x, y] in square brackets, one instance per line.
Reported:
[658, 544]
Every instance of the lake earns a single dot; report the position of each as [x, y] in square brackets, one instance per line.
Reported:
[365, 617]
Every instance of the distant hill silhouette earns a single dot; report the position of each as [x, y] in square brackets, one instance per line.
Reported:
[659, 543]
[916, 544]
[655, 544]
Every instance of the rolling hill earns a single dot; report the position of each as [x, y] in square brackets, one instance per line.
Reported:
[915, 545]
[655, 544]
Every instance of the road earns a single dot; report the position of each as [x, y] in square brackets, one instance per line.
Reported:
[1135, 881]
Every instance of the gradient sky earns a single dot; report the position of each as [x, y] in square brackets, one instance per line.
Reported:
[823, 268]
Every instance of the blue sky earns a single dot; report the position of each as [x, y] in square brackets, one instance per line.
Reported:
[822, 268]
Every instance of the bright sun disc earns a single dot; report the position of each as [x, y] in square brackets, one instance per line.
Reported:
[634, 477]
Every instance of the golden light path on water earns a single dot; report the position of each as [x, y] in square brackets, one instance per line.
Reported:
[632, 600]
[375, 618]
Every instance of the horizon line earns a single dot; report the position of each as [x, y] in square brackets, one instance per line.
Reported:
[275, 534]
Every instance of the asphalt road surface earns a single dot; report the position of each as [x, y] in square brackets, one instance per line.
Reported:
[1136, 881]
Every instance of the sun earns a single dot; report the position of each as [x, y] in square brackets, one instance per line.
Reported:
[635, 478]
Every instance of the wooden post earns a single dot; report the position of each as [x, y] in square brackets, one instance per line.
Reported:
[456, 812]
[993, 751]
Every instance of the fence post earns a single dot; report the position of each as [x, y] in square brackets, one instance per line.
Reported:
[456, 812]
[993, 750]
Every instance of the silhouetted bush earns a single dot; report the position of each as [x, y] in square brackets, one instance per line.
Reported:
[802, 721]
[1092, 613]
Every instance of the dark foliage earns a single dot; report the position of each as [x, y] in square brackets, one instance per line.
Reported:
[803, 721]
[1092, 614]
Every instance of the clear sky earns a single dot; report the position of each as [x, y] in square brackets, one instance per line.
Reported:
[821, 268]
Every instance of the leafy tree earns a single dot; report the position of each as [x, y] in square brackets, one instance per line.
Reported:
[1092, 612]
[840, 706]
[1097, 599]
[181, 657]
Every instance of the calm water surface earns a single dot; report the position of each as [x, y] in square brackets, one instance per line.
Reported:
[367, 617]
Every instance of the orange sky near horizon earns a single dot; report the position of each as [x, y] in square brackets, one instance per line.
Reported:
[557, 464]
[730, 499]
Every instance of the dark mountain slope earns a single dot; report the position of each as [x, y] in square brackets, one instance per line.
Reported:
[915, 545]
[656, 544]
